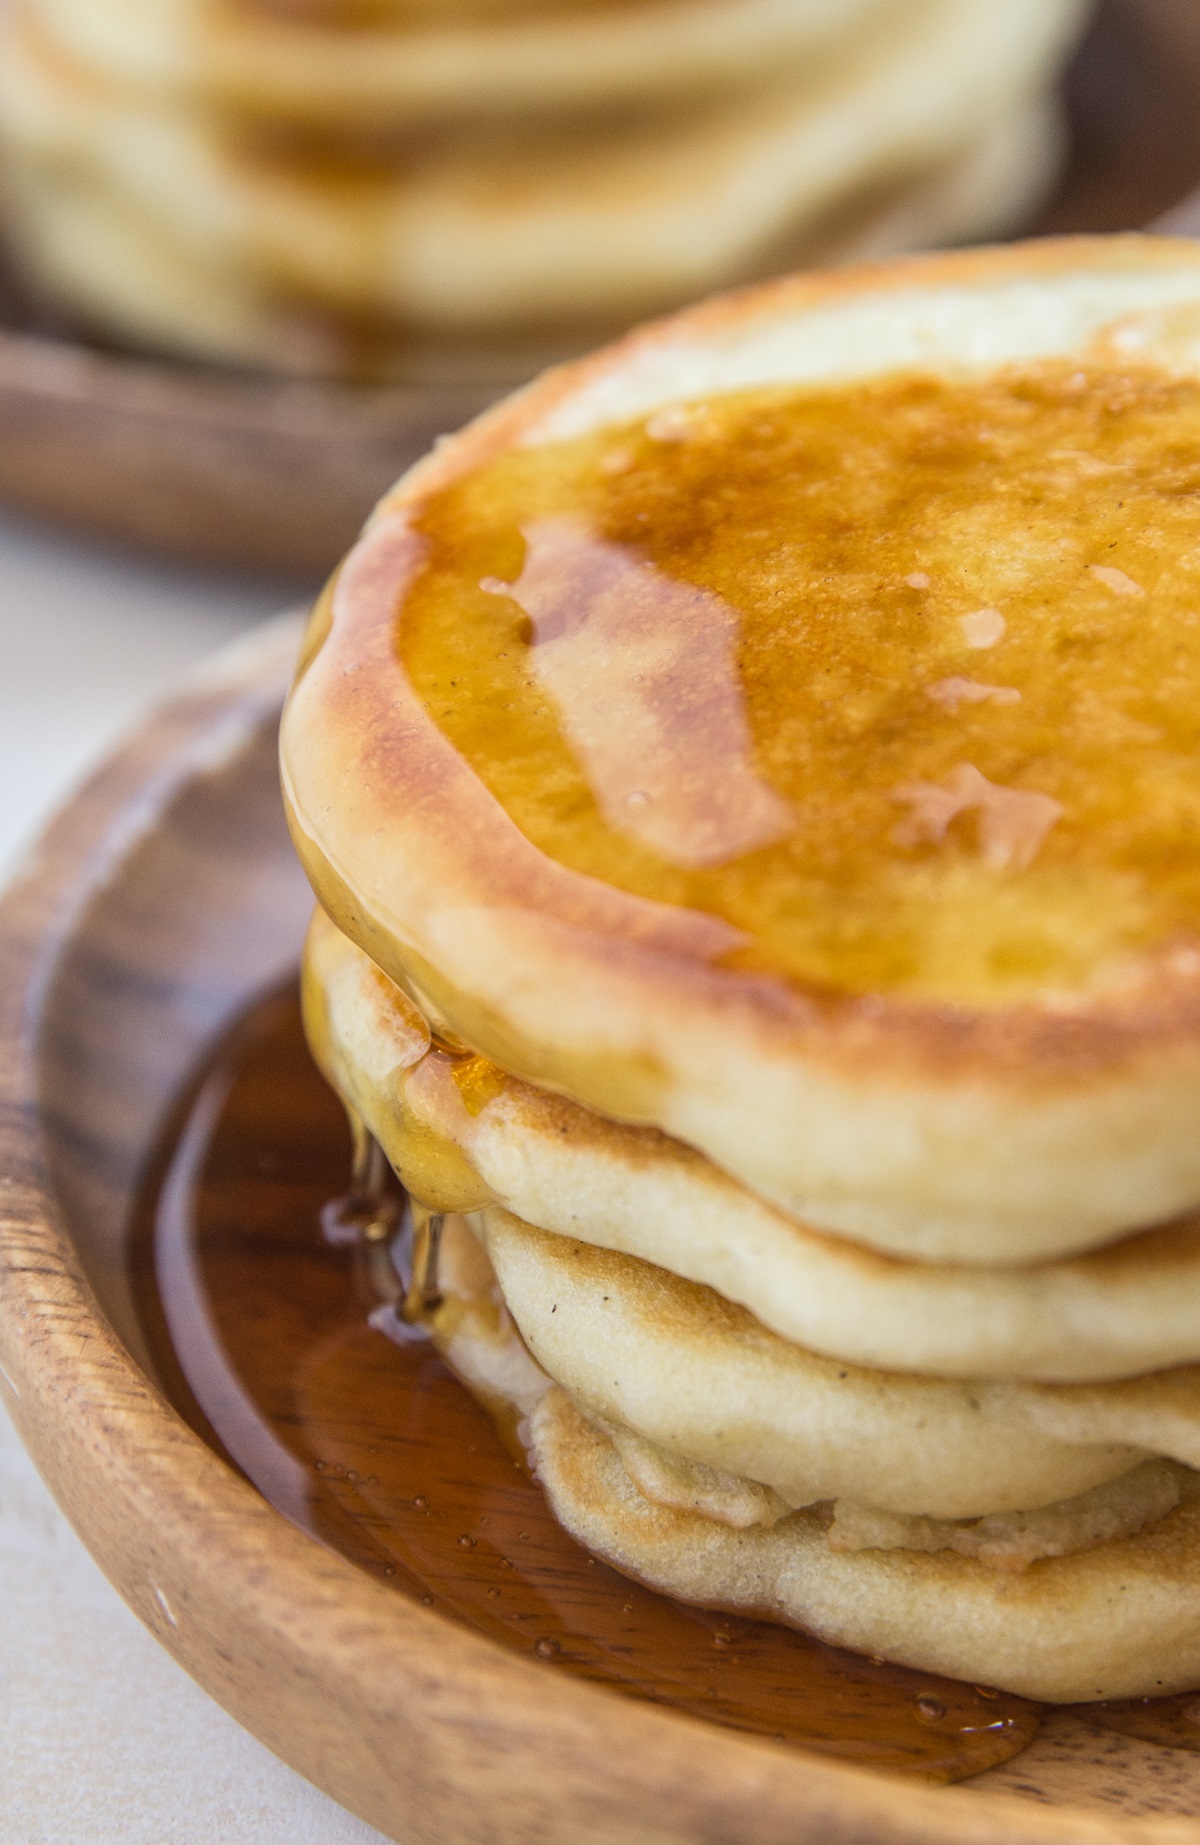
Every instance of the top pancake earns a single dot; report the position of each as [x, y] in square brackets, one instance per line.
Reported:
[781, 729]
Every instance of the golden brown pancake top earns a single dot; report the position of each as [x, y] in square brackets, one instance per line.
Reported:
[900, 679]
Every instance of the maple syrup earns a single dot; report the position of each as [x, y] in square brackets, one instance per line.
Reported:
[898, 679]
[284, 1332]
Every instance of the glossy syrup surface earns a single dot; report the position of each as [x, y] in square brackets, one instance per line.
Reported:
[279, 1344]
[901, 678]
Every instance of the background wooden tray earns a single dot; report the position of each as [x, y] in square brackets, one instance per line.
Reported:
[162, 900]
[278, 475]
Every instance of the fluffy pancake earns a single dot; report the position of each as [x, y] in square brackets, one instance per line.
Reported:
[1119, 1620]
[132, 278]
[425, 64]
[910, 956]
[462, 1135]
[1104, 1609]
[129, 278]
[472, 230]
[702, 1379]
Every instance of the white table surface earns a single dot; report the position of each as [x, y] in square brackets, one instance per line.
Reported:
[103, 1739]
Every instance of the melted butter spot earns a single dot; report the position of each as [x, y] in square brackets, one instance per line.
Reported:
[953, 692]
[1116, 580]
[983, 627]
[1013, 822]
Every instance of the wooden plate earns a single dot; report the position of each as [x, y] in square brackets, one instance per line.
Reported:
[159, 902]
[279, 475]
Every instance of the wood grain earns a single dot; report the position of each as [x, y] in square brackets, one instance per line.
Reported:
[162, 897]
[278, 475]
[259, 473]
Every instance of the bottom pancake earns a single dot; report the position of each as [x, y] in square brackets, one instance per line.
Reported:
[1119, 1620]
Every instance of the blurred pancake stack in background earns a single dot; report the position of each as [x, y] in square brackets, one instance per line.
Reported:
[452, 192]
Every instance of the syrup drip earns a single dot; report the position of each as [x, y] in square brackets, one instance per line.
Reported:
[392, 1236]
[284, 1331]
[424, 1296]
[370, 1210]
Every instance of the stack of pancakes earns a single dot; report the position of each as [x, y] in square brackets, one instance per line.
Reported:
[751, 781]
[398, 188]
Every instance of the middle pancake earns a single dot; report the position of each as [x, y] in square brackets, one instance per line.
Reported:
[464, 1135]
[704, 1381]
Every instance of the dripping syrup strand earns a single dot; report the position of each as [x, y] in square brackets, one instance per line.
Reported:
[375, 1218]
[370, 1211]
[424, 1295]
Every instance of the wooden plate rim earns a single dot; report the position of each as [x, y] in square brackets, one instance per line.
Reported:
[424, 1726]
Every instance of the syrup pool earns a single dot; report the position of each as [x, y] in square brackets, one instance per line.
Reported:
[275, 1332]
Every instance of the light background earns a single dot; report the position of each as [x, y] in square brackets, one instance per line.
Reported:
[103, 1739]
